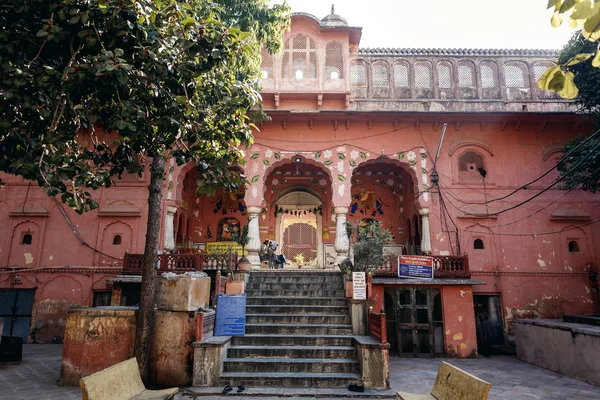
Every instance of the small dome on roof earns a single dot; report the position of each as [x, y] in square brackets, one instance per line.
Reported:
[333, 19]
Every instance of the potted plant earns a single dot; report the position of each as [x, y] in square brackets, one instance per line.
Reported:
[242, 239]
[367, 249]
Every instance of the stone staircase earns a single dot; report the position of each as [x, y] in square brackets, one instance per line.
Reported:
[298, 333]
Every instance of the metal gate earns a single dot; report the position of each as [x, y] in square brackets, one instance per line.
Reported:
[419, 324]
[300, 243]
[15, 308]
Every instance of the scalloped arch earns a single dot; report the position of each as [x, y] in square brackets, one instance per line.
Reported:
[470, 141]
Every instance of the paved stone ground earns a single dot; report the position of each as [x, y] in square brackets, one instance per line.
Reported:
[37, 375]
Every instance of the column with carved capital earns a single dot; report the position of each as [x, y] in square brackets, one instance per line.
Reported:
[169, 229]
[254, 236]
[425, 234]
[342, 245]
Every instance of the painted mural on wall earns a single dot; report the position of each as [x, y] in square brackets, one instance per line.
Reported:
[229, 229]
[339, 161]
[367, 202]
[230, 202]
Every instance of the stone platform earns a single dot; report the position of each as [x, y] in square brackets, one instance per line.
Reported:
[37, 375]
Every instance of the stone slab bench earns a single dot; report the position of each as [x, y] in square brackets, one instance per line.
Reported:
[122, 381]
[452, 383]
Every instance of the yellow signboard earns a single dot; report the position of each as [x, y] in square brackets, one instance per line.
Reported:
[223, 247]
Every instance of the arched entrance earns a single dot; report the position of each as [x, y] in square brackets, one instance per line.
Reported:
[299, 227]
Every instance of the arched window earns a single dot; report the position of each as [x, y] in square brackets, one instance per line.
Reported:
[573, 246]
[381, 75]
[299, 58]
[538, 70]
[27, 238]
[516, 79]
[266, 65]
[334, 61]
[466, 75]
[471, 167]
[423, 80]
[117, 240]
[488, 73]
[444, 73]
[358, 72]
[478, 244]
[401, 79]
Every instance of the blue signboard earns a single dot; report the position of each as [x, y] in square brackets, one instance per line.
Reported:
[231, 315]
[416, 267]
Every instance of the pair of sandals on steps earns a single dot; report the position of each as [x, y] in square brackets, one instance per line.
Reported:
[240, 389]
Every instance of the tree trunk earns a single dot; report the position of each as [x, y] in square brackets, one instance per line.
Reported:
[143, 334]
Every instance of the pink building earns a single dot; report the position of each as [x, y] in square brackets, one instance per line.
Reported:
[353, 136]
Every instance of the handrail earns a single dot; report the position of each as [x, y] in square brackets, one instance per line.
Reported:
[378, 325]
[444, 266]
[133, 263]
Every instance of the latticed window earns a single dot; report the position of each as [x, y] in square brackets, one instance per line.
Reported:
[540, 67]
[334, 61]
[401, 79]
[381, 77]
[515, 75]
[358, 73]
[299, 58]
[266, 65]
[444, 73]
[488, 75]
[423, 75]
[466, 75]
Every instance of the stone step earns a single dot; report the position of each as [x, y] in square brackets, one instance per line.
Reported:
[323, 352]
[315, 329]
[289, 393]
[340, 294]
[338, 365]
[297, 319]
[289, 379]
[292, 340]
[294, 286]
[296, 309]
[306, 278]
[288, 301]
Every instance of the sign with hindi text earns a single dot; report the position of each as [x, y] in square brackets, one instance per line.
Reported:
[415, 267]
[223, 247]
[359, 286]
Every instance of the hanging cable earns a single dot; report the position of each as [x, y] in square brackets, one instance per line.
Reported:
[76, 231]
[569, 172]
[543, 175]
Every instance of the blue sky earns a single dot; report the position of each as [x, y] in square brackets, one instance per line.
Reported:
[445, 23]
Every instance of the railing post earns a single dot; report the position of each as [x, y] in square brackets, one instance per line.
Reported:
[369, 285]
[126, 261]
[383, 327]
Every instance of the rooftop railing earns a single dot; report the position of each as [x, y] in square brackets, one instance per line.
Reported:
[132, 263]
[444, 267]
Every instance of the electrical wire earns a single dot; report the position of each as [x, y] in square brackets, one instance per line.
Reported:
[334, 140]
[556, 181]
[76, 232]
[522, 234]
[544, 174]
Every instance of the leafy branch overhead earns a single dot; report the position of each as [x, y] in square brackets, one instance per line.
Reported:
[579, 14]
[92, 88]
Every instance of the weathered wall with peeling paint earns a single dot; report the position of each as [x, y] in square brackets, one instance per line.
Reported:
[96, 339]
[56, 290]
[460, 337]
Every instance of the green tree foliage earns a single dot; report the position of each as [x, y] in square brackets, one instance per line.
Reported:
[93, 89]
[584, 14]
[368, 249]
[587, 79]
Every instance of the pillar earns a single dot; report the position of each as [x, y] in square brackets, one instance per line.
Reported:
[169, 231]
[254, 236]
[342, 245]
[425, 234]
